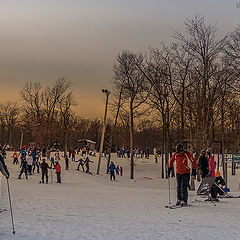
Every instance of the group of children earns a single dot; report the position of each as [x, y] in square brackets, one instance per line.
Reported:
[30, 160]
[112, 169]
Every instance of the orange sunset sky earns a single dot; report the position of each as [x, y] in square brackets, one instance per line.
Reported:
[79, 39]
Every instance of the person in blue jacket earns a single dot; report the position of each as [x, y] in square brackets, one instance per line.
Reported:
[112, 169]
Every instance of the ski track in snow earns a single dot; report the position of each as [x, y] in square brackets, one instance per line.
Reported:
[90, 207]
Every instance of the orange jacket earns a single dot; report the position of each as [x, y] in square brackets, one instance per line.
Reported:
[184, 162]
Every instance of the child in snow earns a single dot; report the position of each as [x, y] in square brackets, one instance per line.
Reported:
[87, 161]
[66, 162]
[121, 171]
[29, 163]
[81, 163]
[117, 170]
[58, 171]
[23, 166]
[15, 157]
[112, 169]
[52, 162]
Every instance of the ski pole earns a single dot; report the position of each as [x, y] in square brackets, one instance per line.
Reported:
[169, 195]
[10, 203]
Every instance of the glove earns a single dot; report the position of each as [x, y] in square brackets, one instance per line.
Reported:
[194, 173]
[169, 171]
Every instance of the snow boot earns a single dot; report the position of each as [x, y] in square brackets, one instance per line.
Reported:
[183, 203]
[178, 202]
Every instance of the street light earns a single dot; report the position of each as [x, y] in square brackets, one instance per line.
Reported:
[107, 93]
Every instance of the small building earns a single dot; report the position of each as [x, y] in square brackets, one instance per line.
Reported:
[86, 142]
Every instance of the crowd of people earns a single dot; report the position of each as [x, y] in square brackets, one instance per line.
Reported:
[138, 152]
[36, 160]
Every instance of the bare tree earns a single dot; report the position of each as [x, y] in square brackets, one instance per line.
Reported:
[202, 44]
[136, 90]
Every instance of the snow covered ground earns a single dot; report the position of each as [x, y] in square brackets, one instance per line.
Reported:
[90, 207]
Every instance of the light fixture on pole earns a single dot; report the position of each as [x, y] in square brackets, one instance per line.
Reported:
[107, 93]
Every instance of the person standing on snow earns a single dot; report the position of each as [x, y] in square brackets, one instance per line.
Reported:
[15, 157]
[3, 167]
[203, 164]
[87, 161]
[29, 163]
[184, 162]
[112, 169]
[23, 166]
[81, 163]
[211, 163]
[44, 166]
[58, 171]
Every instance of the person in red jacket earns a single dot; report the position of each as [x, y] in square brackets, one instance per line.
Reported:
[184, 162]
[58, 171]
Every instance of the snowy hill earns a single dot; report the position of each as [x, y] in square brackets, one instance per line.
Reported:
[90, 207]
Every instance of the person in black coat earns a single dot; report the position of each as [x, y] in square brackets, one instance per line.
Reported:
[217, 187]
[81, 163]
[203, 164]
[44, 166]
[87, 161]
[3, 167]
[23, 166]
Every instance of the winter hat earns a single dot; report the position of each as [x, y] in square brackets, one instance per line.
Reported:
[217, 174]
[179, 148]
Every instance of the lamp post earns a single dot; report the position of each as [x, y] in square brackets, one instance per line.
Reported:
[107, 93]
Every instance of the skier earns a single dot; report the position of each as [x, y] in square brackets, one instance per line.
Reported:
[23, 166]
[211, 163]
[52, 162]
[203, 164]
[87, 161]
[81, 163]
[58, 171]
[44, 166]
[3, 167]
[183, 160]
[112, 169]
[29, 163]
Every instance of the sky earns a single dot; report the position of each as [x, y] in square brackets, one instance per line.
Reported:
[43, 40]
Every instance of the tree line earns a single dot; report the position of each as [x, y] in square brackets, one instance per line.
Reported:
[185, 91]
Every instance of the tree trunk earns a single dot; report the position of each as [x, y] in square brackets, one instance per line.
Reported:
[66, 142]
